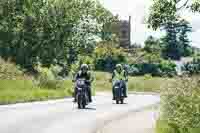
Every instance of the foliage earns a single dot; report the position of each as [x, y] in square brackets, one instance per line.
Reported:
[137, 84]
[82, 60]
[49, 29]
[163, 11]
[175, 44]
[152, 45]
[195, 6]
[183, 40]
[165, 14]
[171, 49]
[9, 71]
[106, 57]
[16, 86]
[16, 91]
[192, 67]
[164, 68]
[180, 108]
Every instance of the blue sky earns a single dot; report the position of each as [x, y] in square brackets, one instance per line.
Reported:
[138, 9]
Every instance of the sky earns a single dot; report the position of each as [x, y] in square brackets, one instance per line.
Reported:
[138, 10]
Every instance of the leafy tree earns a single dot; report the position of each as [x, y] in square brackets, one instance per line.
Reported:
[163, 11]
[185, 28]
[106, 56]
[49, 29]
[152, 45]
[172, 48]
[165, 14]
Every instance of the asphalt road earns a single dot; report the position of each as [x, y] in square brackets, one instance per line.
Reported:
[62, 116]
[143, 121]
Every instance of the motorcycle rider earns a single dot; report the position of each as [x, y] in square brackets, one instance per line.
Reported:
[84, 73]
[119, 74]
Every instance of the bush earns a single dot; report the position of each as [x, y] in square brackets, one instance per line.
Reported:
[82, 60]
[192, 67]
[106, 57]
[180, 105]
[47, 78]
[164, 68]
[16, 86]
[10, 71]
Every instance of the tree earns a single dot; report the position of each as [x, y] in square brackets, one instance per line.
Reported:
[163, 11]
[164, 14]
[171, 45]
[152, 45]
[49, 29]
[185, 28]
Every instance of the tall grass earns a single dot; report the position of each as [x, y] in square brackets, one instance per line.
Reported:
[141, 83]
[15, 86]
[180, 106]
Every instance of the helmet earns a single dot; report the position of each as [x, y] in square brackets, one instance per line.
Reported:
[84, 66]
[119, 66]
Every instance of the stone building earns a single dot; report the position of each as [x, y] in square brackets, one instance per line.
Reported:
[125, 33]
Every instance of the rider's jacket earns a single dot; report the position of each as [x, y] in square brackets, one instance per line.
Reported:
[87, 76]
[119, 75]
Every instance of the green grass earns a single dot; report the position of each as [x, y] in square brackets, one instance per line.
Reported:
[139, 84]
[15, 91]
[16, 87]
[163, 127]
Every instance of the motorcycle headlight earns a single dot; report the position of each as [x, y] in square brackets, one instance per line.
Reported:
[79, 89]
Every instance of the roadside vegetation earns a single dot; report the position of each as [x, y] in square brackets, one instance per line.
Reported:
[180, 106]
[16, 86]
[145, 83]
[180, 101]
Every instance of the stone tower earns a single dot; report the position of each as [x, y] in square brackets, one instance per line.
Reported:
[125, 33]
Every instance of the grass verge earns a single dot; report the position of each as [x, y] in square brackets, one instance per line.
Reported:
[15, 91]
[22, 90]
[139, 84]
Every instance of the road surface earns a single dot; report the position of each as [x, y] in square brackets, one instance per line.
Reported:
[62, 116]
[136, 122]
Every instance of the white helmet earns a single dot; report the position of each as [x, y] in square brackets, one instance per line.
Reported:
[84, 66]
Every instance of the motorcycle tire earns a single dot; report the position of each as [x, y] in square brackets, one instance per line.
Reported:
[122, 101]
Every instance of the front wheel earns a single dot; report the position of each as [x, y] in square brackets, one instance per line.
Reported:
[79, 102]
[122, 101]
[117, 101]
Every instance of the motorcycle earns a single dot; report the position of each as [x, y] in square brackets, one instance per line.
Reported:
[118, 90]
[82, 95]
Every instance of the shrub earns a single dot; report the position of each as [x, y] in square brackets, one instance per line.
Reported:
[82, 60]
[164, 68]
[106, 57]
[55, 69]
[180, 105]
[47, 78]
[192, 67]
[10, 71]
